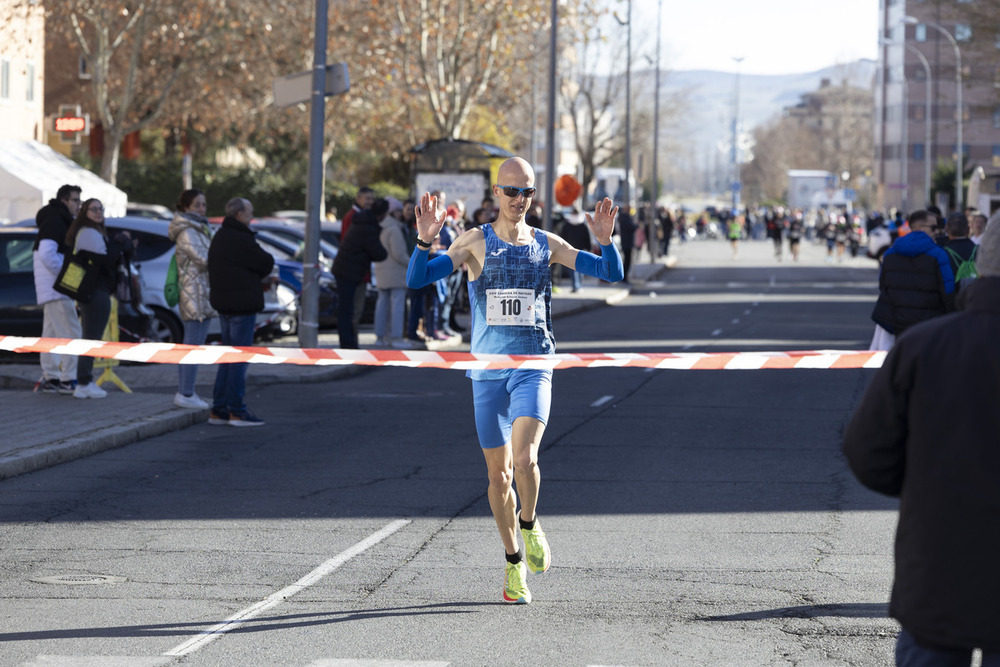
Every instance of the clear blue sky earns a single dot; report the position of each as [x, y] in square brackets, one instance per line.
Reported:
[772, 36]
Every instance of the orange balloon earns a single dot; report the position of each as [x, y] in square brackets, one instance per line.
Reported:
[567, 189]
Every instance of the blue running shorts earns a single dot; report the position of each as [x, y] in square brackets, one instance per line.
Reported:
[526, 393]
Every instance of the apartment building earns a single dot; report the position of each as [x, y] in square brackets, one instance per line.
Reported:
[937, 82]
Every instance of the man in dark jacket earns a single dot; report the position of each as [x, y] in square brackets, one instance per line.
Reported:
[916, 282]
[358, 249]
[926, 431]
[59, 318]
[236, 267]
[960, 247]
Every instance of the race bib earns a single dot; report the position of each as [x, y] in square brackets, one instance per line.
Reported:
[510, 307]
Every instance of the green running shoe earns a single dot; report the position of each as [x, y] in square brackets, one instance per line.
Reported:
[536, 549]
[515, 590]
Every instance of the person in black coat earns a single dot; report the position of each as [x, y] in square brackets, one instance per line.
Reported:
[236, 268]
[358, 249]
[925, 431]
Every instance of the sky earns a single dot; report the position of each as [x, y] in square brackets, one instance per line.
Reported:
[772, 36]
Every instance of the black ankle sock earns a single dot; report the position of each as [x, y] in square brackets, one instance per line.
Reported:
[526, 525]
[514, 558]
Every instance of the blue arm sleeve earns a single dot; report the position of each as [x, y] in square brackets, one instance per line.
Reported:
[420, 272]
[606, 267]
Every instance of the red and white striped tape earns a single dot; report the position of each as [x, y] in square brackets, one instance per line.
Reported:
[176, 353]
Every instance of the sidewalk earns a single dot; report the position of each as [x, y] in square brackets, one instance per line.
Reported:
[42, 430]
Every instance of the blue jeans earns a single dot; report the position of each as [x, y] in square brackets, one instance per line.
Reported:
[231, 379]
[911, 654]
[93, 320]
[195, 333]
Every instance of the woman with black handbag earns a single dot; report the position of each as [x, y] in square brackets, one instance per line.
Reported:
[88, 236]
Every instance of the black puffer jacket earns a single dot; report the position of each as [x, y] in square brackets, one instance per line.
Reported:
[916, 283]
[236, 267]
[926, 430]
[359, 248]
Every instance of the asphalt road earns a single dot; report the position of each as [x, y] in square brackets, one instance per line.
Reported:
[696, 517]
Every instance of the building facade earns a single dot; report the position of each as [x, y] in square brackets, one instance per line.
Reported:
[937, 81]
[22, 70]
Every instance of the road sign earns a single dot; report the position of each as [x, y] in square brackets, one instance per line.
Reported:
[297, 88]
[850, 194]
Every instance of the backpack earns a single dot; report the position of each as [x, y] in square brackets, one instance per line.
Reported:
[966, 272]
[172, 288]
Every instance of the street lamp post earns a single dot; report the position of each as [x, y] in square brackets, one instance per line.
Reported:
[656, 112]
[912, 20]
[734, 183]
[628, 105]
[928, 110]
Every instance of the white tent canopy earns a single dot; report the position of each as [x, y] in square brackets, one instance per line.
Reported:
[31, 173]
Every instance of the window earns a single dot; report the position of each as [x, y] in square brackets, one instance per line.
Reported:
[963, 32]
[996, 155]
[920, 33]
[84, 69]
[29, 95]
[917, 112]
[4, 79]
[918, 151]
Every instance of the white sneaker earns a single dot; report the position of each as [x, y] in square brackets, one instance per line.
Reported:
[192, 402]
[90, 390]
[403, 344]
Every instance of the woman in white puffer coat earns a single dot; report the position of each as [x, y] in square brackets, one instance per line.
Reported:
[190, 231]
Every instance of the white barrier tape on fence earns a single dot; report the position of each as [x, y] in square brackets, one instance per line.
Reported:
[176, 353]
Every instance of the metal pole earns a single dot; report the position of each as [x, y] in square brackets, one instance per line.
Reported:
[960, 112]
[309, 299]
[550, 130]
[628, 112]
[928, 110]
[904, 153]
[734, 184]
[653, 245]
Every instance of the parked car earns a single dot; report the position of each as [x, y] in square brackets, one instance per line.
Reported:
[296, 233]
[153, 255]
[329, 232]
[154, 211]
[20, 315]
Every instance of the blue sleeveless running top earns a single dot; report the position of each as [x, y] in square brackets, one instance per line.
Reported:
[511, 301]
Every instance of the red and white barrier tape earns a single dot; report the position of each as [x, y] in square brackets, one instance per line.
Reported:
[175, 353]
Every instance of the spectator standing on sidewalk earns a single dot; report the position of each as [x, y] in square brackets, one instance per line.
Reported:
[390, 278]
[577, 234]
[915, 283]
[626, 232]
[363, 201]
[358, 249]
[89, 239]
[960, 248]
[192, 236]
[925, 431]
[237, 265]
[977, 225]
[59, 318]
[510, 287]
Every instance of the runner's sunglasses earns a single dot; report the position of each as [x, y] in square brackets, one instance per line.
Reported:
[511, 191]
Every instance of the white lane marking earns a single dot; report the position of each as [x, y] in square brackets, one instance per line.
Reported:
[205, 637]
[377, 663]
[736, 321]
[717, 332]
[601, 401]
[746, 312]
